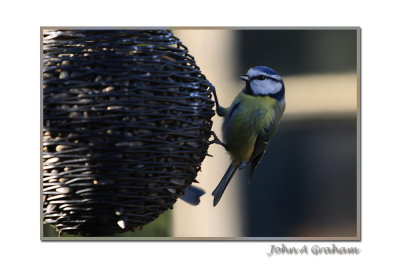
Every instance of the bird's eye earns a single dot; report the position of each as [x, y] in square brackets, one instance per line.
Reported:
[261, 77]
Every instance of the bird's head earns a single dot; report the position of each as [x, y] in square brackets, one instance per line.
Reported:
[263, 81]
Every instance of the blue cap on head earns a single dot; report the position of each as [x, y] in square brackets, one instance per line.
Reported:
[266, 70]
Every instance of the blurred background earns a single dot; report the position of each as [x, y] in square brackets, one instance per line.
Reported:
[306, 184]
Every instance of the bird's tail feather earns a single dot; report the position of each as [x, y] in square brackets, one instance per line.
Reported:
[219, 190]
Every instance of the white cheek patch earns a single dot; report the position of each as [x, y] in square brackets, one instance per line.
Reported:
[265, 87]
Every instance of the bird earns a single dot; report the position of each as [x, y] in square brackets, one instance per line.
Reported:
[250, 122]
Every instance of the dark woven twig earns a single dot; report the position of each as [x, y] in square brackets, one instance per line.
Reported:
[126, 122]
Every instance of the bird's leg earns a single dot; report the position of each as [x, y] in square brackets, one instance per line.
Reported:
[216, 140]
[243, 164]
[220, 110]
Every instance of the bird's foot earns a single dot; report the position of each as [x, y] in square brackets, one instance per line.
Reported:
[216, 140]
[220, 110]
[243, 164]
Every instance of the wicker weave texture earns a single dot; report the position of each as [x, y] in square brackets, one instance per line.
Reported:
[126, 122]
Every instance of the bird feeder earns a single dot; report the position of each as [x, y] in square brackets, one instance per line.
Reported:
[126, 122]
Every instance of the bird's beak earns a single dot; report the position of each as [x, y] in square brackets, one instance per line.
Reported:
[244, 77]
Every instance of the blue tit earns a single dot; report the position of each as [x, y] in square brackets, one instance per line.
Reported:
[250, 122]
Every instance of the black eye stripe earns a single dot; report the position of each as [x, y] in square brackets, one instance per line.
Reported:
[263, 77]
[259, 77]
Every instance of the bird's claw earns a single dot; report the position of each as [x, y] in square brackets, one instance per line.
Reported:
[243, 164]
[216, 140]
[220, 110]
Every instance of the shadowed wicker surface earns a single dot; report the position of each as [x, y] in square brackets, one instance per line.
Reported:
[126, 122]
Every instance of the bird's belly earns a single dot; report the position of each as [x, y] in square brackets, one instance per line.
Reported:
[241, 153]
[241, 134]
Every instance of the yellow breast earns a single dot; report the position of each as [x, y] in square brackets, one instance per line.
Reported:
[245, 119]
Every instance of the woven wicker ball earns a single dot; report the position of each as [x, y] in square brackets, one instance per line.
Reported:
[126, 122]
